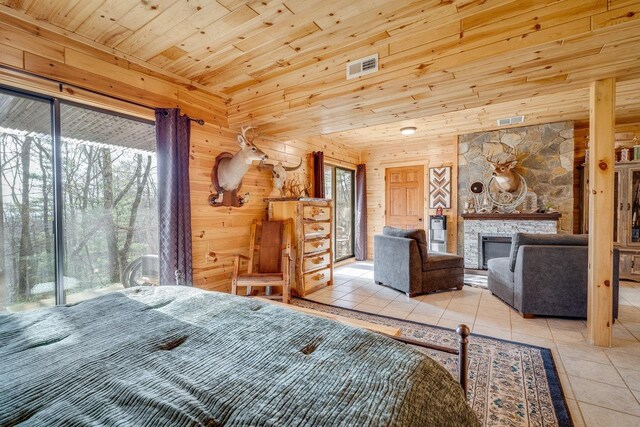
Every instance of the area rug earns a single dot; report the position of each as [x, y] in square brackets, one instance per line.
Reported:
[475, 280]
[510, 384]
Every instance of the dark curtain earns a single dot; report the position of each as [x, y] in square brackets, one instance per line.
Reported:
[174, 204]
[318, 174]
[361, 212]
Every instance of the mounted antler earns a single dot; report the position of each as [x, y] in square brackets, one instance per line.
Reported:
[245, 138]
[279, 173]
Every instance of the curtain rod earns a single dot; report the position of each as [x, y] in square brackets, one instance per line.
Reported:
[61, 84]
[342, 161]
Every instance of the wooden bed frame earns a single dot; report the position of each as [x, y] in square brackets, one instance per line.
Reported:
[395, 333]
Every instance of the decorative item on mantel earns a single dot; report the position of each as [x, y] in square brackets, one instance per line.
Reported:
[229, 169]
[474, 205]
[530, 203]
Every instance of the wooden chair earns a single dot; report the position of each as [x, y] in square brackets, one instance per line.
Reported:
[269, 260]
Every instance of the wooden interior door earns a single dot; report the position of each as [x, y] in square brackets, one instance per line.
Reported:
[404, 197]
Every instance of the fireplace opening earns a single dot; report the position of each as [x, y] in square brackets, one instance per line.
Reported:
[494, 247]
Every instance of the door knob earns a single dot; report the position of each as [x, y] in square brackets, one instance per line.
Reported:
[420, 219]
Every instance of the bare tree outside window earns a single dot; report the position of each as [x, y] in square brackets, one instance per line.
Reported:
[109, 196]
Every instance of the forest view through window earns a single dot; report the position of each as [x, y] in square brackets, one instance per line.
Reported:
[108, 193]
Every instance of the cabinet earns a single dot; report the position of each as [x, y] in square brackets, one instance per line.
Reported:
[312, 249]
[626, 216]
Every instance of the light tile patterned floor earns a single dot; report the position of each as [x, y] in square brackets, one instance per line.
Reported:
[602, 385]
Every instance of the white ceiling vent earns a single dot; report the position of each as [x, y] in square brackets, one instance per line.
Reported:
[510, 120]
[362, 66]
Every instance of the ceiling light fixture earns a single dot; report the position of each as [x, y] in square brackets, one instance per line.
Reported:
[408, 130]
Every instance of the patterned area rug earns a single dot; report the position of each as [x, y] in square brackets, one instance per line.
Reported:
[510, 384]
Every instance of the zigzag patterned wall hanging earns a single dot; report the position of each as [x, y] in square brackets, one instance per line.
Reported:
[440, 187]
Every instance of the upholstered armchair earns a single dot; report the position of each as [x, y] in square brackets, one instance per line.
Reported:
[546, 274]
[402, 261]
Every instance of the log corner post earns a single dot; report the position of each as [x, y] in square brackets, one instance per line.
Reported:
[601, 207]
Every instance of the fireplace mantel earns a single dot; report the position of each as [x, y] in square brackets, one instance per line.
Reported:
[552, 216]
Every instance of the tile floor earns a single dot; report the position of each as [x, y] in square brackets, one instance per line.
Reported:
[602, 385]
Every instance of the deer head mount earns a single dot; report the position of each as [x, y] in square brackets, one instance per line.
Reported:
[505, 177]
[279, 174]
[232, 170]
[229, 169]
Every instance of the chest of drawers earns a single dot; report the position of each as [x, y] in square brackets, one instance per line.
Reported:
[312, 248]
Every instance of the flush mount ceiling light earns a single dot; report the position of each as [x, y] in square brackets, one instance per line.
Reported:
[408, 130]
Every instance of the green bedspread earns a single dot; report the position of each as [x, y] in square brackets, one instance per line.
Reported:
[169, 356]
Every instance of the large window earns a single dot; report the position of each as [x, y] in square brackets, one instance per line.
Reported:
[339, 186]
[88, 174]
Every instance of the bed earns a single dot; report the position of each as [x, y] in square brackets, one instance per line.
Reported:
[180, 356]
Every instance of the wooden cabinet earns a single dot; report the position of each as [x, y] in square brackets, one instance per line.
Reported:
[312, 249]
[626, 215]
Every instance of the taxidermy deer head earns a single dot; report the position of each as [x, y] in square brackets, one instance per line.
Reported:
[279, 174]
[506, 178]
[231, 170]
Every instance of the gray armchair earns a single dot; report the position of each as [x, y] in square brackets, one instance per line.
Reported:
[402, 261]
[545, 274]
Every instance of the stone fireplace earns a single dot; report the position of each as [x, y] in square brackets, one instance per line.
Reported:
[478, 226]
[545, 159]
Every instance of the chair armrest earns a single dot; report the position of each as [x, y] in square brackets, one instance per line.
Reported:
[236, 267]
[397, 263]
[551, 280]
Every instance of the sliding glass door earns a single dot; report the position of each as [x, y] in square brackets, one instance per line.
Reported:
[339, 186]
[109, 193]
[26, 191]
[102, 200]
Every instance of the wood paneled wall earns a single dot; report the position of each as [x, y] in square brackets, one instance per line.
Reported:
[434, 152]
[217, 232]
[221, 232]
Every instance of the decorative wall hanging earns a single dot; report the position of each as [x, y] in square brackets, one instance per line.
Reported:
[506, 188]
[440, 187]
[279, 174]
[229, 169]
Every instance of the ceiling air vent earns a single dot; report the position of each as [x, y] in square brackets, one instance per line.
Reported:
[510, 120]
[362, 66]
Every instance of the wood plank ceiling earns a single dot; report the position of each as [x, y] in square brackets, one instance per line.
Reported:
[446, 66]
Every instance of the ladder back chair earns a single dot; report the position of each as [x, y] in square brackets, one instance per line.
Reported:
[269, 260]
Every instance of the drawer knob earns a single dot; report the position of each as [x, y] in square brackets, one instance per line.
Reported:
[317, 260]
[317, 227]
[316, 244]
[318, 276]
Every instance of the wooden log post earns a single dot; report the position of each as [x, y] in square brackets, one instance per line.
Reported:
[601, 190]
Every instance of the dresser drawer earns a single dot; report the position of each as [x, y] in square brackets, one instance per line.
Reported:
[316, 278]
[317, 245]
[313, 262]
[316, 213]
[314, 229]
